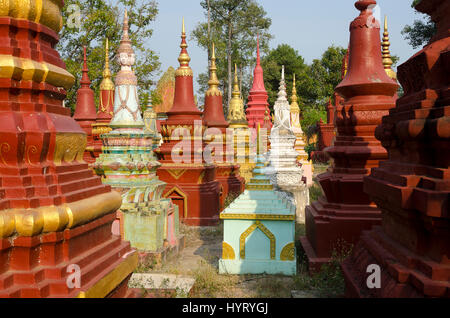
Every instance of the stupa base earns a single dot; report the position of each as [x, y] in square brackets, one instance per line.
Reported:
[272, 267]
[403, 274]
[334, 228]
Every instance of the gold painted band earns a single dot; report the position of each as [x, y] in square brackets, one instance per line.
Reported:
[31, 222]
[18, 68]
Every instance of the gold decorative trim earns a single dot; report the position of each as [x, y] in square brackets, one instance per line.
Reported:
[31, 222]
[69, 147]
[182, 194]
[184, 72]
[7, 148]
[201, 177]
[288, 252]
[176, 173]
[46, 12]
[266, 217]
[18, 68]
[249, 231]
[113, 279]
[227, 251]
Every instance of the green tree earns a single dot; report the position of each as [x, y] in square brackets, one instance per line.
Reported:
[324, 75]
[422, 30]
[293, 63]
[233, 27]
[101, 19]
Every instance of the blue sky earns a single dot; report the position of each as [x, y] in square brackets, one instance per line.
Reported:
[309, 26]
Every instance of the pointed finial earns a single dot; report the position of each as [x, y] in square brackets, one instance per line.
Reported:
[236, 91]
[183, 28]
[184, 58]
[294, 98]
[213, 82]
[282, 88]
[125, 43]
[258, 58]
[106, 83]
[85, 81]
[387, 60]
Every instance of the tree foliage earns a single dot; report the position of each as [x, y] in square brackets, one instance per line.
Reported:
[234, 25]
[101, 19]
[420, 32]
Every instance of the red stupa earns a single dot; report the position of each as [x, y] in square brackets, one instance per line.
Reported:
[54, 213]
[257, 104]
[412, 187]
[191, 182]
[85, 112]
[227, 172]
[345, 210]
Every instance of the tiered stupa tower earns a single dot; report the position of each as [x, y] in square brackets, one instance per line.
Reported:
[283, 169]
[85, 113]
[221, 154]
[129, 164]
[241, 132]
[192, 182]
[54, 213]
[412, 187]
[296, 127]
[257, 104]
[346, 210]
[386, 53]
[259, 228]
[105, 110]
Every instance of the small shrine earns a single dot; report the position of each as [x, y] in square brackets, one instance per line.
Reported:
[128, 164]
[302, 158]
[85, 112]
[217, 150]
[241, 133]
[259, 228]
[191, 182]
[283, 169]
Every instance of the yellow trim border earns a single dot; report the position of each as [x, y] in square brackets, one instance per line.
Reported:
[249, 231]
[109, 282]
[266, 217]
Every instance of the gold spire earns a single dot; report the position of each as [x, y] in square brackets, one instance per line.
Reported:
[294, 105]
[236, 115]
[106, 83]
[184, 58]
[213, 82]
[387, 60]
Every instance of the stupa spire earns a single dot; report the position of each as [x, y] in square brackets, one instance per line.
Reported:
[213, 112]
[184, 58]
[387, 60]
[258, 73]
[85, 81]
[107, 83]
[85, 106]
[213, 82]
[294, 98]
[236, 116]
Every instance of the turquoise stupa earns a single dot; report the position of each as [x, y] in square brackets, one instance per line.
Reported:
[259, 229]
